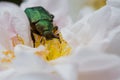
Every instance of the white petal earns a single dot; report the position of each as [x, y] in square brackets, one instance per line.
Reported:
[13, 21]
[92, 65]
[27, 61]
[114, 3]
[75, 7]
[36, 76]
[99, 30]
[88, 27]
[85, 11]
[67, 71]
[99, 67]
[112, 41]
[108, 37]
[5, 72]
[28, 66]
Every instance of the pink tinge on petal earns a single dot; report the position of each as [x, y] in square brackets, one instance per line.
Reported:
[63, 21]
[13, 23]
[10, 29]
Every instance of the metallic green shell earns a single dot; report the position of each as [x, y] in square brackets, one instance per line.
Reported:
[38, 13]
[41, 22]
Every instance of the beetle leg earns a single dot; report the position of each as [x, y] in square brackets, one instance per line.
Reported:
[33, 38]
[55, 29]
[58, 36]
[42, 41]
[36, 32]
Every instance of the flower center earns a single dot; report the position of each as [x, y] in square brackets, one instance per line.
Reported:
[55, 48]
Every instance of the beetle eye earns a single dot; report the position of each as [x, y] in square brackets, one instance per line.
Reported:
[52, 16]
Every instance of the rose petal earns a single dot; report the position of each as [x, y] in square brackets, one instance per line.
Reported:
[29, 66]
[115, 3]
[92, 65]
[70, 37]
[36, 76]
[67, 71]
[99, 30]
[98, 66]
[5, 73]
[85, 11]
[112, 41]
[13, 21]
[27, 61]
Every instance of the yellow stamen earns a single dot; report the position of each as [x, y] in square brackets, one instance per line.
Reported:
[17, 40]
[9, 55]
[96, 3]
[37, 40]
[55, 48]
[42, 53]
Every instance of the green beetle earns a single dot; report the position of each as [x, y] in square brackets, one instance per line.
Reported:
[41, 23]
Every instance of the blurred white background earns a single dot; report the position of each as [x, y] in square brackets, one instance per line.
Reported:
[76, 6]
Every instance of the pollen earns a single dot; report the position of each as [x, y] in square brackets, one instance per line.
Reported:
[8, 56]
[96, 4]
[17, 40]
[55, 48]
